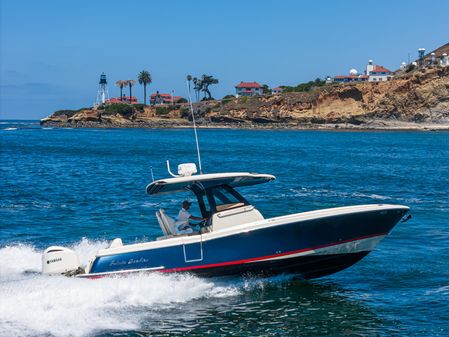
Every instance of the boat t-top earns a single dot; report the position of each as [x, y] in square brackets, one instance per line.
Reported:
[236, 238]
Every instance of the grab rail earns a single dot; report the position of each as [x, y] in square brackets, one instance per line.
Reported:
[230, 212]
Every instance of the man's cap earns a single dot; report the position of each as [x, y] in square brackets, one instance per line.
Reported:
[186, 202]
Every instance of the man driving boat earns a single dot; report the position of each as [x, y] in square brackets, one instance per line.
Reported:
[184, 226]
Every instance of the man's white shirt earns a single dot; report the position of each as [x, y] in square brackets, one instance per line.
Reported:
[184, 216]
[183, 220]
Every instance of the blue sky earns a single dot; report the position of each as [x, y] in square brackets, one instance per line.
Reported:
[52, 52]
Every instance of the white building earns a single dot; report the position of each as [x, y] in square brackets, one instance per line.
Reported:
[277, 90]
[377, 73]
[248, 89]
[444, 61]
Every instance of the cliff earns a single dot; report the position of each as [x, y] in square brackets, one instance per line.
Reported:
[418, 99]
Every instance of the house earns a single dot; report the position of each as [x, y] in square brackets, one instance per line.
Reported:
[124, 99]
[158, 98]
[377, 73]
[248, 89]
[277, 90]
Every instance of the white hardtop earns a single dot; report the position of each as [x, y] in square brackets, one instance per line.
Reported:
[233, 179]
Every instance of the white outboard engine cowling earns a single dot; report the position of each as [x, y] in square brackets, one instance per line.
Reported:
[60, 261]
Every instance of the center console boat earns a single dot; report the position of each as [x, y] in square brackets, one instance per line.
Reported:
[237, 238]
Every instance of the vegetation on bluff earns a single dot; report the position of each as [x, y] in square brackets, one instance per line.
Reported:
[119, 108]
[305, 87]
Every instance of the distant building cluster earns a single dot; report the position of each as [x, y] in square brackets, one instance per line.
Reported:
[378, 73]
[372, 73]
[432, 59]
[253, 89]
[123, 99]
[157, 98]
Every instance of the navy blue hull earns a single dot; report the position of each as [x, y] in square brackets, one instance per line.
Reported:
[259, 251]
[307, 267]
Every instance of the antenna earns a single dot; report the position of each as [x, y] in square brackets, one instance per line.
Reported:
[169, 171]
[152, 174]
[194, 129]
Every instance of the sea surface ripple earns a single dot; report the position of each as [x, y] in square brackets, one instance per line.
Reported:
[83, 187]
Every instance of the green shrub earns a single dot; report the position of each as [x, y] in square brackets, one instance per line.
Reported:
[138, 107]
[410, 67]
[182, 100]
[68, 113]
[184, 112]
[305, 87]
[244, 99]
[119, 108]
[162, 110]
[225, 101]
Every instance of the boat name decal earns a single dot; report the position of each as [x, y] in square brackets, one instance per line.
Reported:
[130, 261]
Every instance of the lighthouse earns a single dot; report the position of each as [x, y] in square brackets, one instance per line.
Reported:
[103, 94]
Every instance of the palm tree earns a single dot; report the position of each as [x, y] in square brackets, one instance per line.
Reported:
[144, 78]
[121, 84]
[198, 85]
[206, 81]
[130, 84]
[189, 79]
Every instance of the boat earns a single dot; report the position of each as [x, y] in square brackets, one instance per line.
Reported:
[236, 239]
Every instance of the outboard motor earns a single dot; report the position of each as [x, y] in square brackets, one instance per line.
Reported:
[60, 261]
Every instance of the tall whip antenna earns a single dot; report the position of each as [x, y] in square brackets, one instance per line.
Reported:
[194, 128]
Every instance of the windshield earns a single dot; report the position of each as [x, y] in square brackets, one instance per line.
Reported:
[224, 197]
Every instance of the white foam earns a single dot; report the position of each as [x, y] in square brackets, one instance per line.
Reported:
[86, 249]
[15, 260]
[33, 304]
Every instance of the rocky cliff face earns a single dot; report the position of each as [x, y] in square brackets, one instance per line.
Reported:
[417, 98]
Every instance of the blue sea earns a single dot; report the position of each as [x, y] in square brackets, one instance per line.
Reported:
[82, 188]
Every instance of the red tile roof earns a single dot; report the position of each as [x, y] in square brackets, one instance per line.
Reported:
[248, 85]
[162, 95]
[277, 88]
[380, 69]
[124, 99]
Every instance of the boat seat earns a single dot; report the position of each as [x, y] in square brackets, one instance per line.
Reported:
[167, 223]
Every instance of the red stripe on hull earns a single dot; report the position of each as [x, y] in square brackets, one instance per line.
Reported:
[230, 263]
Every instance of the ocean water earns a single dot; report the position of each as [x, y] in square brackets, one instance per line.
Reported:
[83, 187]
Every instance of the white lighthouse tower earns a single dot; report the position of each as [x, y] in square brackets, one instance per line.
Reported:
[103, 93]
[369, 67]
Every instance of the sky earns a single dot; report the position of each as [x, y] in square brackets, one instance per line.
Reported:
[53, 52]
